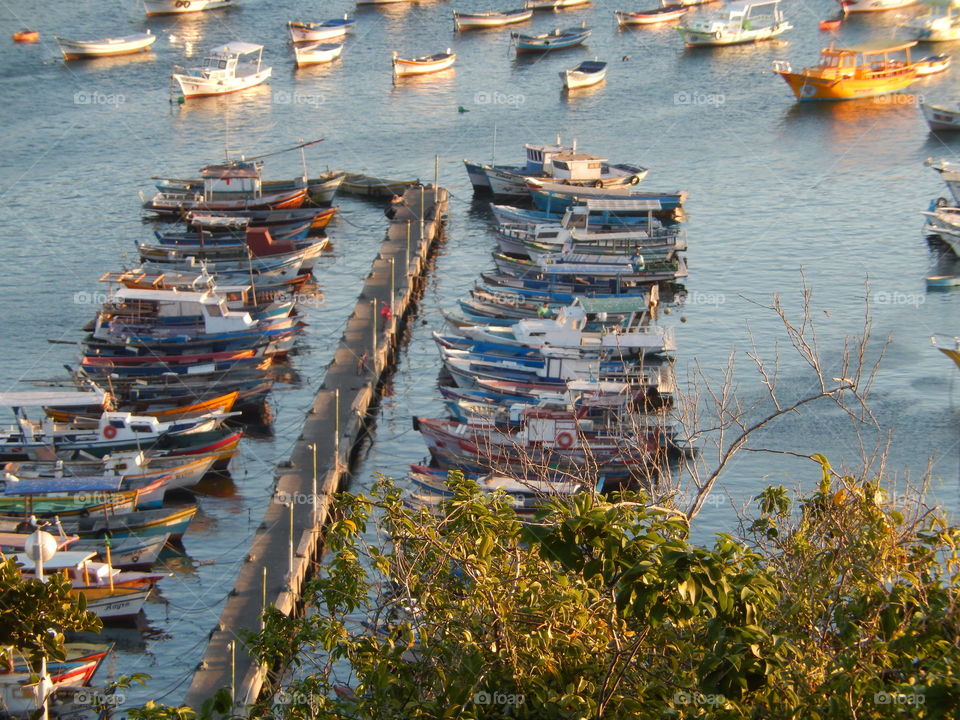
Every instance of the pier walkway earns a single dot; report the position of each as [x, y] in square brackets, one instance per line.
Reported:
[287, 543]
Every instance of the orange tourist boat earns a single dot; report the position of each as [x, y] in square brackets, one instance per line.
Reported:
[856, 71]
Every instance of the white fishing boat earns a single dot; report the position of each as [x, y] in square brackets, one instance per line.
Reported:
[553, 4]
[662, 14]
[941, 22]
[944, 223]
[423, 65]
[315, 32]
[223, 72]
[126, 45]
[941, 117]
[478, 21]
[865, 6]
[177, 7]
[381, 2]
[316, 53]
[743, 22]
[932, 64]
[587, 73]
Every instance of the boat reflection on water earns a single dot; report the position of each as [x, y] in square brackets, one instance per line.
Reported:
[845, 122]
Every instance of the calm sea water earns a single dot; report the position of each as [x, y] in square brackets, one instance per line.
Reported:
[778, 192]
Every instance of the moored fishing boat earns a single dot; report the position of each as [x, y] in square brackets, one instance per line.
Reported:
[556, 198]
[223, 72]
[933, 64]
[866, 6]
[855, 71]
[403, 67]
[743, 22]
[79, 49]
[177, 7]
[553, 4]
[941, 22]
[316, 53]
[587, 73]
[492, 19]
[557, 39]
[314, 32]
[370, 186]
[662, 14]
[941, 117]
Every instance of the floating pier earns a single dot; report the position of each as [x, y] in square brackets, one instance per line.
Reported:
[288, 542]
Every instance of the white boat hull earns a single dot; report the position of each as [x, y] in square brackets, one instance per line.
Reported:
[193, 86]
[404, 68]
[864, 6]
[942, 118]
[76, 49]
[479, 22]
[317, 54]
[299, 35]
[121, 606]
[178, 7]
[694, 37]
[573, 79]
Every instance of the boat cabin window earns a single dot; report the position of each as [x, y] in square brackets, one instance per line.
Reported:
[561, 165]
[137, 427]
[215, 310]
[118, 424]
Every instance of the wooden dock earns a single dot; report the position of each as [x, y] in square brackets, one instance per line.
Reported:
[286, 546]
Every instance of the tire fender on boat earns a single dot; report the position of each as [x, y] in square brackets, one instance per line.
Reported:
[717, 35]
[598, 183]
[635, 180]
[564, 440]
[109, 432]
[941, 202]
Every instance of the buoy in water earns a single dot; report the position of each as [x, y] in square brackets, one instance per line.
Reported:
[26, 36]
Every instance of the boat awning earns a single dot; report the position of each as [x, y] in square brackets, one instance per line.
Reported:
[63, 559]
[52, 398]
[593, 306]
[40, 486]
[236, 48]
[19, 540]
[623, 205]
[171, 295]
[873, 47]
[230, 171]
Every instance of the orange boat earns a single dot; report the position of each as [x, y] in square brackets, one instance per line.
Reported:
[222, 403]
[856, 71]
[26, 36]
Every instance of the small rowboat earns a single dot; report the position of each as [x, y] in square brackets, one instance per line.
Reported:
[933, 64]
[476, 21]
[359, 184]
[178, 7]
[942, 282]
[651, 17]
[316, 53]
[314, 32]
[126, 45]
[26, 36]
[587, 73]
[553, 40]
[831, 23]
[423, 65]
[553, 4]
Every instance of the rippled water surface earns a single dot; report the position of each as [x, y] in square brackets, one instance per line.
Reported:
[778, 192]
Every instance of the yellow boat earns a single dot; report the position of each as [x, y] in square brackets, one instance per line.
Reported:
[855, 71]
[943, 345]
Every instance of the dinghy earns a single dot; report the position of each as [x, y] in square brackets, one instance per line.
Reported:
[126, 45]
[314, 32]
[662, 14]
[422, 65]
[477, 21]
[316, 53]
[553, 40]
[587, 73]
[933, 64]
[177, 7]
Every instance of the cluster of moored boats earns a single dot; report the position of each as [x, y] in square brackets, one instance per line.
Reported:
[942, 218]
[178, 356]
[556, 371]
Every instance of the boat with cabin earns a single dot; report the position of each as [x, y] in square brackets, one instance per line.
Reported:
[106, 47]
[492, 19]
[941, 22]
[743, 22]
[224, 70]
[856, 71]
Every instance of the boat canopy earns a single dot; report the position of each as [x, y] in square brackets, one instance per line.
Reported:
[52, 398]
[65, 559]
[876, 47]
[171, 295]
[744, 7]
[230, 171]
[594, 306]
[614, 205]
[236, 48]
